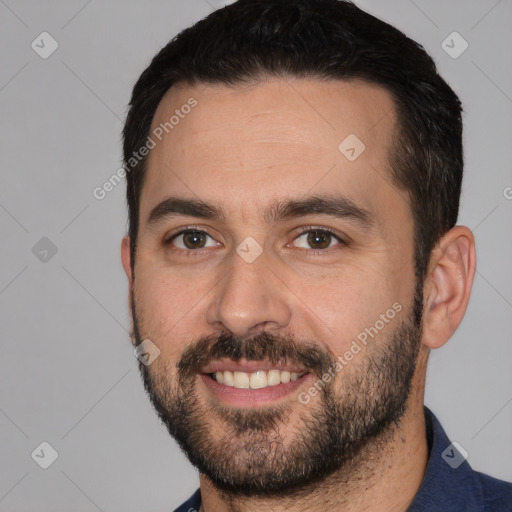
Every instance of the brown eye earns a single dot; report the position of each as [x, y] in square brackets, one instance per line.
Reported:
[192, 239]
[317, 239]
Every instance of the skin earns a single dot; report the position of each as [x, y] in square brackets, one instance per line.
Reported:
[246, 148]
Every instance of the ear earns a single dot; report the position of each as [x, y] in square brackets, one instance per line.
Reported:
[448, 285]
[126, 259]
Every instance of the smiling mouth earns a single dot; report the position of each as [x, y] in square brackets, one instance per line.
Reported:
[255, 380]
[247, 383]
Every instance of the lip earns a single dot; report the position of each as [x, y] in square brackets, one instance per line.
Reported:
[227, 365]
[247, 398]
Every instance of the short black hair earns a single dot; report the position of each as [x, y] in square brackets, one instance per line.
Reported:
[251, 40]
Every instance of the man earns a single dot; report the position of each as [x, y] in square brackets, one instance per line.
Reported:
[294, 171]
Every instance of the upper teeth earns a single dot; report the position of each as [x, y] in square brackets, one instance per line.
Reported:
[255, 380]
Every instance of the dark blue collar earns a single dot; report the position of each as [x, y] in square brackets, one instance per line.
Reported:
[449, 483]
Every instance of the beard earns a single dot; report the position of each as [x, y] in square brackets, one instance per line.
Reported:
[284, 450]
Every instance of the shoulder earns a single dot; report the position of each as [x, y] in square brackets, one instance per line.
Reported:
[450, 483]
[497, 494]
[192, 504]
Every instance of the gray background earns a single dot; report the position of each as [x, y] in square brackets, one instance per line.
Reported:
[68, 375]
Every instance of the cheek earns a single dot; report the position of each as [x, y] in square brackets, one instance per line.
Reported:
[349, 304]
[169, 308]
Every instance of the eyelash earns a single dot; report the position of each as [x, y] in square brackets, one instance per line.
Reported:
[323, 252]
[307, 229]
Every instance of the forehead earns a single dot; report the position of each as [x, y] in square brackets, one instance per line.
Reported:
[246, 146]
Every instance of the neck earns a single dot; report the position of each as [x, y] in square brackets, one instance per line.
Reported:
[384, 476]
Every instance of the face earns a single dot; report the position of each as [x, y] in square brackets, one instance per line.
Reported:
[274, 271]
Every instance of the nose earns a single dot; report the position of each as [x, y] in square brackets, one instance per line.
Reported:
[250, 298]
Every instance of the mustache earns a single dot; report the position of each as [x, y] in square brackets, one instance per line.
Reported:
[264, 346]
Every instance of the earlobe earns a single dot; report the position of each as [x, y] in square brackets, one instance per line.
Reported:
[448, 285]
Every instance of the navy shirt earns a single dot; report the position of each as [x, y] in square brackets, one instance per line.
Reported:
[449, 484]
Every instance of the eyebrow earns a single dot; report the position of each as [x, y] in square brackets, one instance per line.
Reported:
[333, 206]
